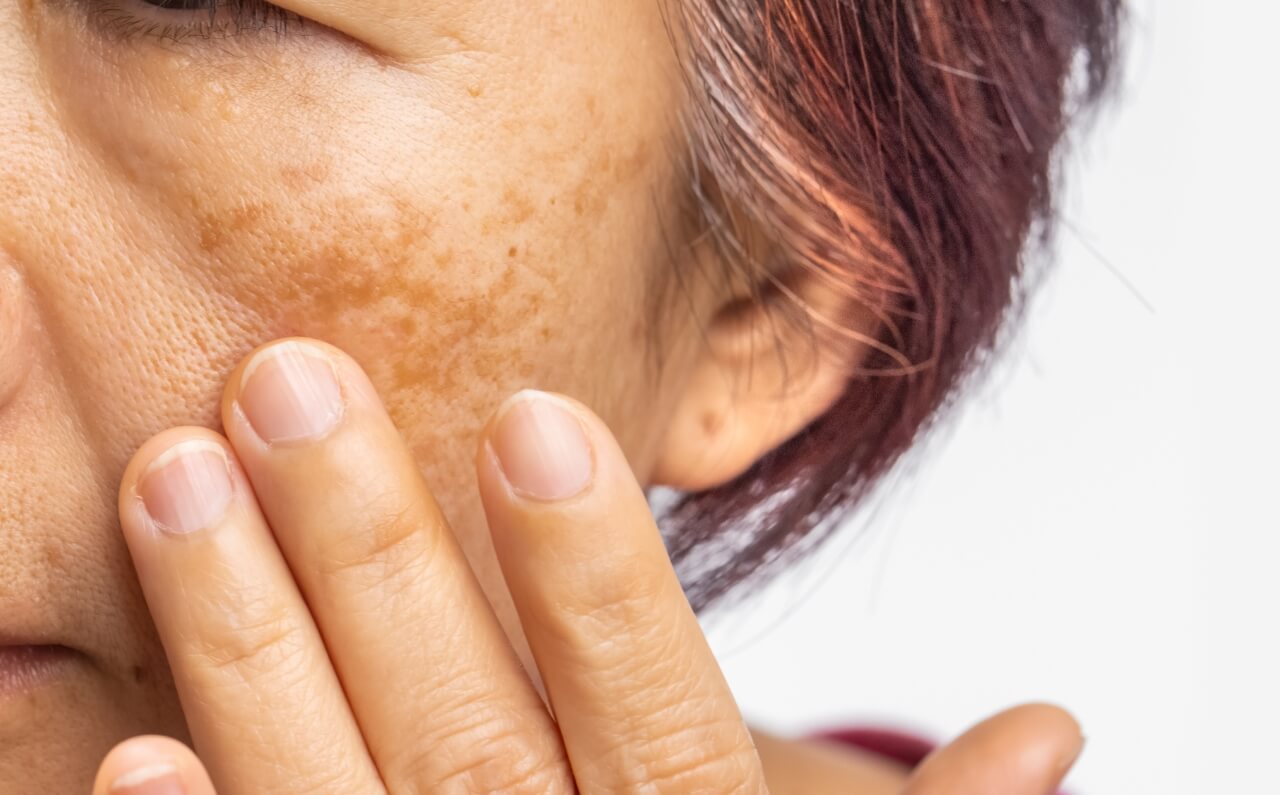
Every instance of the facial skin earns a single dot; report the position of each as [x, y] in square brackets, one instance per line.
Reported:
[474, 218]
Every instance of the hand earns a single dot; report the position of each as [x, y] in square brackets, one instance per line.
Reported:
[327, 635]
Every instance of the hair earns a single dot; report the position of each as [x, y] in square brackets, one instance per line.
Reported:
[903, 150]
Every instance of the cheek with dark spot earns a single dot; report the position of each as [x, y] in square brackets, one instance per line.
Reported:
[426, 306]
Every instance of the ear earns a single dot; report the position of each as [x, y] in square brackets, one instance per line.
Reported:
[770, 366]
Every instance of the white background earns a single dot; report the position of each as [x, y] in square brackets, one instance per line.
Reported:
[1098, 525]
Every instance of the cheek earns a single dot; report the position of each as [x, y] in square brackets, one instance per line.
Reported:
[460, 244]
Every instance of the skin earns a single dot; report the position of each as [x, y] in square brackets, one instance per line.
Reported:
[466, 199]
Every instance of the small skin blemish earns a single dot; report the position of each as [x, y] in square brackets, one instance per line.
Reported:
[53, 556]
[218, 230]
[406, 326]
[511, 252]
[711, 423]
[521, 208]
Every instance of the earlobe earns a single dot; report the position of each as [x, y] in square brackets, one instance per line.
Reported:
[769, 368]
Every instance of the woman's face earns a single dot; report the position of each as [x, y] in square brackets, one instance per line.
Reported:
[470, 198]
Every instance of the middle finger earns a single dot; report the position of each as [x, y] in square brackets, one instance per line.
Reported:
[439, 694]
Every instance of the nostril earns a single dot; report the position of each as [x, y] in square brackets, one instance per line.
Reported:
[15, 332]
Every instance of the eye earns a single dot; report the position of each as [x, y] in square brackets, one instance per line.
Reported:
[175, 20]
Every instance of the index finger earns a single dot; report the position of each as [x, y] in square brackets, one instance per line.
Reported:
[263, 702]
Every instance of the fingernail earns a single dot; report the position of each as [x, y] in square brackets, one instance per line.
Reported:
[290, 394]
[542, 448]
[160, 778]
[187, 488]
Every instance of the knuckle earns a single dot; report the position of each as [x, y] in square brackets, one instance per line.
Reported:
[712, 756]
[312, 782]
[484, 751]
[254, 649]
[597, 607]
[263, 647]
[392, 541]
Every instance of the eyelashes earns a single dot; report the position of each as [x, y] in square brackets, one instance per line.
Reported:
[178, 20]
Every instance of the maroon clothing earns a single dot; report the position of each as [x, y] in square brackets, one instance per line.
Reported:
[897, 746]
[901, 747]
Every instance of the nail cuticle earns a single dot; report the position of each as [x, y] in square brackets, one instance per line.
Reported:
[290, 395]
[525, 494]
[187, 488]
[160, 778]
[542, 449]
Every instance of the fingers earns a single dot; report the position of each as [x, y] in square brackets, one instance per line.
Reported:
[1026, 750]
[441, 698]
[249, 665]
[640, 700]
[152, 766]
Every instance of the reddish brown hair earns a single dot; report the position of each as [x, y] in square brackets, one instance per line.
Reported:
[905, 150]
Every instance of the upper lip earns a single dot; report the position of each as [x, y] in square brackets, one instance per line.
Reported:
[19, 632]
[16, 635]
[36, 622]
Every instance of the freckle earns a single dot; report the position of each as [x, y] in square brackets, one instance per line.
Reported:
[475, 91]
[511, 252]
[53, 556]
[710, 423]
[218, 227]
[404, 374]
[521, 208]
[139, 674]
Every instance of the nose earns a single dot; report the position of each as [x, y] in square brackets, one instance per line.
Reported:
[16, 334]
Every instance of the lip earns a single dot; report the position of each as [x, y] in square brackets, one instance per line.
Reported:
[28, 667]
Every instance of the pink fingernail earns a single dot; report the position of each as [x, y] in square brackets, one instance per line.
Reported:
[188, 487]
[542, 448]
[160, 778]
[289, 394]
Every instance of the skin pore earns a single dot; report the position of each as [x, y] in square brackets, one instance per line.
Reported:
[469, 198]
